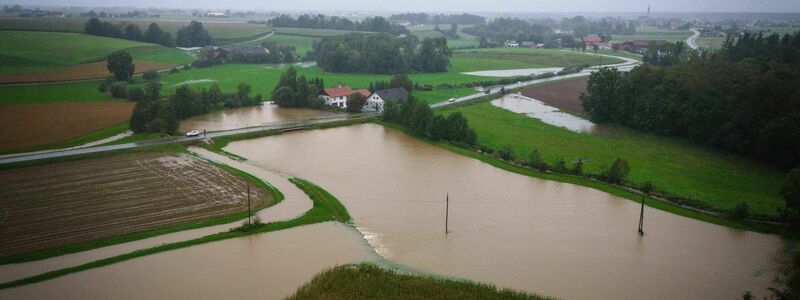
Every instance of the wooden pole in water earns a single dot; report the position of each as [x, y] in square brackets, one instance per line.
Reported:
[641, 218]
[446, 212]
[248, 205]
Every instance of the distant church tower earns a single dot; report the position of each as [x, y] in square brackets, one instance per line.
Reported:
[648, 10]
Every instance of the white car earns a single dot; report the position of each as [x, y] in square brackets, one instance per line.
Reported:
[452, 100]
[193, 133]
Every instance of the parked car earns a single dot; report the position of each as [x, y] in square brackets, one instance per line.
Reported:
[193, 133]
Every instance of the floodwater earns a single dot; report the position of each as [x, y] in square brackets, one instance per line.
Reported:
[262, 266]
[548, 114]
[511, 230]
[248, 116]
[513, 72]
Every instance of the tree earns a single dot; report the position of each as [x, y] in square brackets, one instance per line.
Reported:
[150, 75]
[93, 27]
[193, 35]
[355, 102]
[401, 80]
[132, 32]
[595, 48]
[790, 191]
[601, 93]
[120, 63]
[618, 171]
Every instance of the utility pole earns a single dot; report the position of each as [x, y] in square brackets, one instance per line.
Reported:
[248, 205]
[446, 213]
[641, 218]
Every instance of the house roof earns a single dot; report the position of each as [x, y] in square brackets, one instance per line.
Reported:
[397, 93]
[251, 50]
[343, 90]
[592, 38]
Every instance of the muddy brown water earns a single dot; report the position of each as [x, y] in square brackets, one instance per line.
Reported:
[515, 231]
[263, 266]
[248, 116]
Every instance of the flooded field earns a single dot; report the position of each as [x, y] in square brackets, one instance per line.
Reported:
[515, 231]
[263, 266]
[563, 94]
[70, 202]
[548, 114]
[248, 116]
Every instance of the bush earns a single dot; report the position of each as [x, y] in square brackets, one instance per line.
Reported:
[560, 166]
[535, 161]
[119, 90]
[618, 171]
[740, 211]
[105, 86]
[150, 75]
[506, 153]
[174, 70]
[544, 75]
[577, 168]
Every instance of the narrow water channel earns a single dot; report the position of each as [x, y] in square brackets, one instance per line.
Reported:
[515, 231]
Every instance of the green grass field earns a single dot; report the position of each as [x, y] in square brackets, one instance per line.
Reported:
[519, 58]
[653, 33]
[676, 167]
[56, 92]
[27, 51]
[464, 40]
[710, 42]
[218, 30]
[301, 43]
[311, 32]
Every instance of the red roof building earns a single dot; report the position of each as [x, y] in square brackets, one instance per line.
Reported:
[592, 39]
[337, 96]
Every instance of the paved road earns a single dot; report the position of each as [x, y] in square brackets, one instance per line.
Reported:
[284, 126]
[692, 40]
[625, 66]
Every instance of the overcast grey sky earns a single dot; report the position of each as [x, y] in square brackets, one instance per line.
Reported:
[452, 5]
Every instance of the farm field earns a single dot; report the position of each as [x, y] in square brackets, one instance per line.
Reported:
[710, 42]
[80, 91]
[29, 125]
[301, 43]
[77, 201]
[562, 94]
[714, 178]
[312, 32]
[653, 33]
[464, 40]
[520, 58]
[218, 30]
[53, 56]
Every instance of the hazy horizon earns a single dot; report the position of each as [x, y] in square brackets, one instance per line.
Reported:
[511, 6]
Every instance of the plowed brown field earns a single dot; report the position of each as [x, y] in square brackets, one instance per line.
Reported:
[561, 94]
[92, 70]
[27, 125]
[64, 203]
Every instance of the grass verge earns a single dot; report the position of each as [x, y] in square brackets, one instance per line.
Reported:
[367, 281]
[325, 208]
[91, 137]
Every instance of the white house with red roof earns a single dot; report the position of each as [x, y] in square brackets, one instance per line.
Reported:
[337, 96]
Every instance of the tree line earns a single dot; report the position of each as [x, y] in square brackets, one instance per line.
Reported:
[375, 24]
[423, 18]
[499, 30]
[745, 99]
[418, 118]
[298, 91]
[277, 53]
[192, 35]
[382, 54]
[153, 113]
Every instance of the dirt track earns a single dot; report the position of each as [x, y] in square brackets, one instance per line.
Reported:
[27, 125]
[64, 203]
[92, 70]
[561, 94]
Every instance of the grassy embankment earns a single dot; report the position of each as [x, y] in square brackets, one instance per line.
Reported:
[653, 33]
[325, 208]
[94, 136]
[275, 195]
[366, 281]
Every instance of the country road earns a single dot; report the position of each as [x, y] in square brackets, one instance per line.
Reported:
[692, 40]
[292, 125]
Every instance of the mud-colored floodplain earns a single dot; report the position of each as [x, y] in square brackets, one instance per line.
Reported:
[563, 94]
[515, 231]
[64, 203]
[248, 117]
[263, 266]
[548, 114]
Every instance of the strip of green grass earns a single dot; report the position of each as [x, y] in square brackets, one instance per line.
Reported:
[94, 136]
[274, 193]
[81, 91]
[325, 208]
[367, 281]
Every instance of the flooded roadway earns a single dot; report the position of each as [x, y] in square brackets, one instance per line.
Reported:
[515, 231]
[248, 116]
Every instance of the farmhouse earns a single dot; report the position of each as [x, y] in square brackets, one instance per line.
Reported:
[376, 101]
[511, 44]
[592, 39]
[338, 96]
